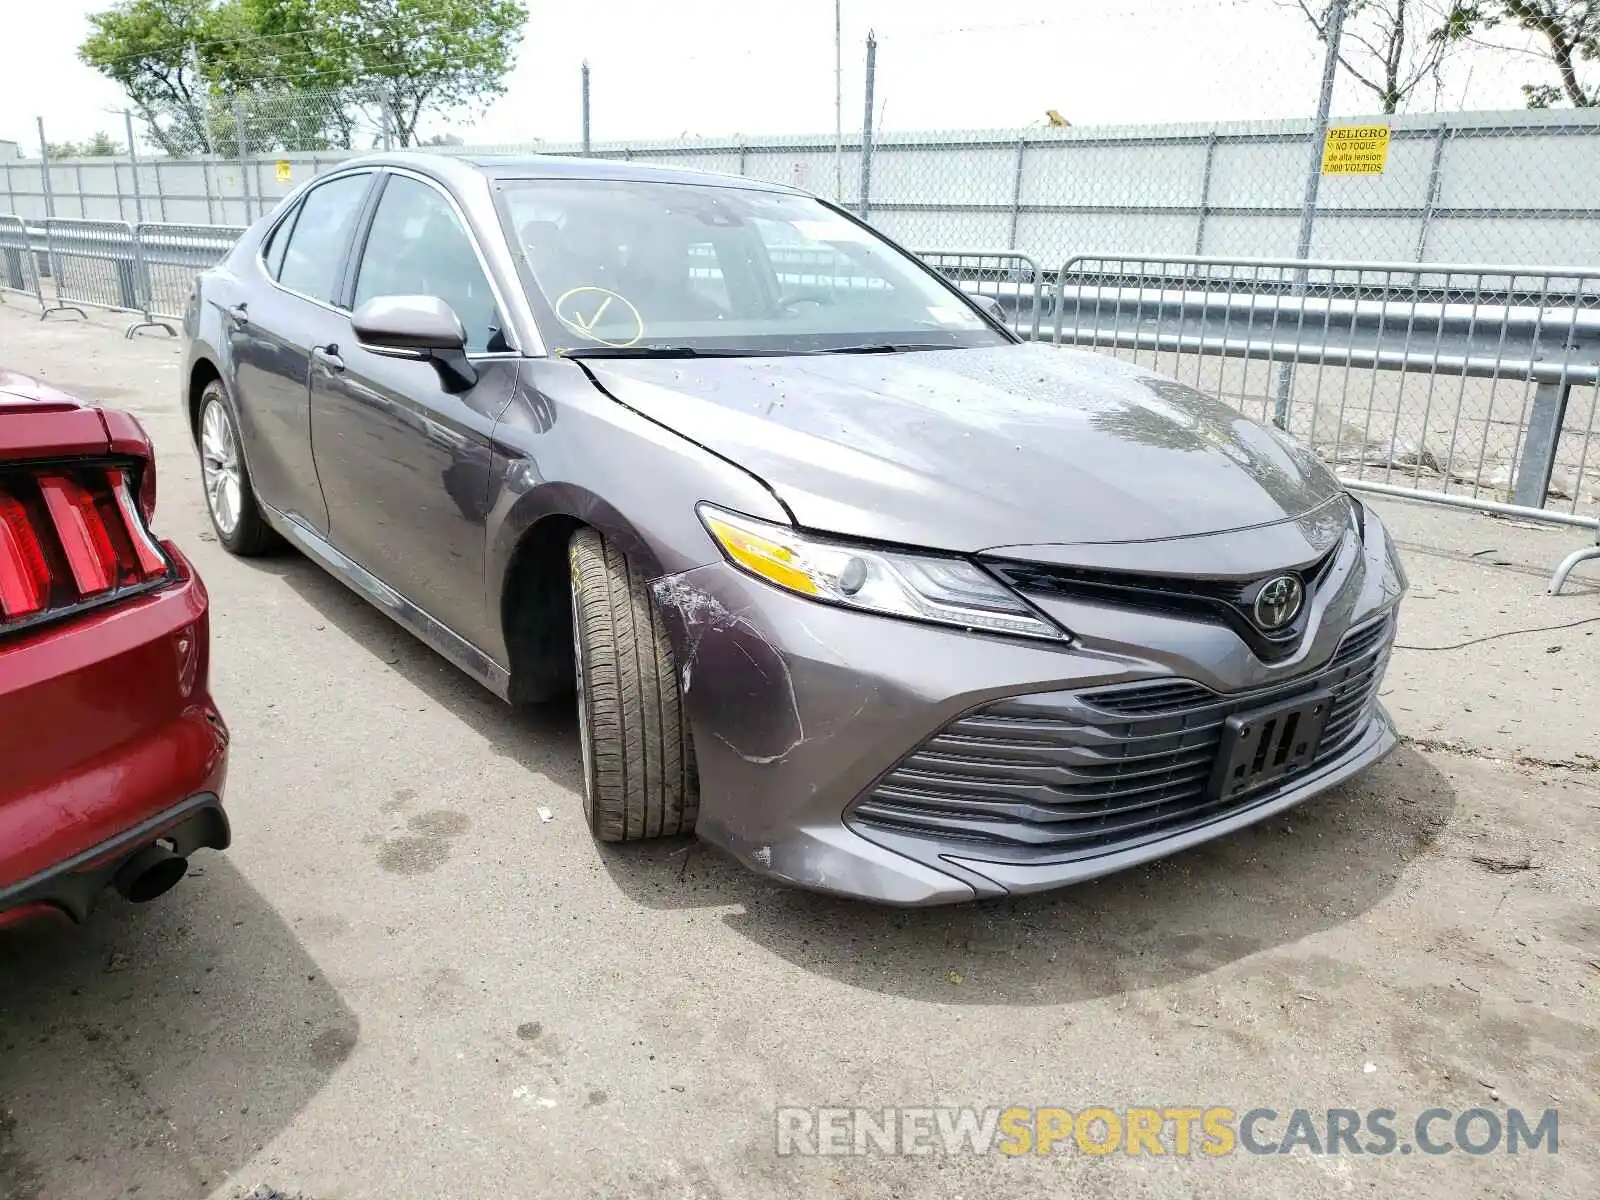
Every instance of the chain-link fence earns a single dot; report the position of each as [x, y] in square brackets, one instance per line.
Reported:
[1459, 188]
[1202, 127]
[1219, 163]
[1479, 382]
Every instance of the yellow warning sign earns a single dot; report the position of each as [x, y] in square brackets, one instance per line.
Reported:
[1355, 150]
[286, 171]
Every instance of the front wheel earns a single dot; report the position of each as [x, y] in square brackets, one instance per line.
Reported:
[230, 497]
[638, 761]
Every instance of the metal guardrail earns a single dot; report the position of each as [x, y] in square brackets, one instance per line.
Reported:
[1015, 280]
[1473, 386]
[1466, 385]
[19, 268]
[145, 268]
[173, 255]
[92, 263]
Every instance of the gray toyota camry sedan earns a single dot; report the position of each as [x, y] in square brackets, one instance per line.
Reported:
[847, 580]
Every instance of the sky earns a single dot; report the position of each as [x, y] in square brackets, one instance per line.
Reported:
[669, 68]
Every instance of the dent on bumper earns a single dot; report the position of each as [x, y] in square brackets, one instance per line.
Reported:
[798, 708]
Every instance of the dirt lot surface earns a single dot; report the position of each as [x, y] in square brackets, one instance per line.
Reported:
[401, 982]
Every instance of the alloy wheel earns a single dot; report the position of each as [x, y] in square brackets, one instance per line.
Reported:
[219, 467]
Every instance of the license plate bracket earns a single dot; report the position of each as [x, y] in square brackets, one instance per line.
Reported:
[1268, 744]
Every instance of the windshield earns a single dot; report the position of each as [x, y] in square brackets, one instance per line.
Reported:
[619, 265]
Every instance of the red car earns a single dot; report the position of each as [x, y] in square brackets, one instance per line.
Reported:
[112, 754]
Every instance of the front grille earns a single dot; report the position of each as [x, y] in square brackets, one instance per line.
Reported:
[1060, 775]
[1221, 601]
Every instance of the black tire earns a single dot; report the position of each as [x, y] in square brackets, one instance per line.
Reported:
[249, 535]
[638, 759]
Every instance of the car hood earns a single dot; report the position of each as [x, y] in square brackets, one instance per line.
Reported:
[969, 450]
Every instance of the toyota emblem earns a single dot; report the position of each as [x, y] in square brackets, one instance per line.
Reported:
[1278, 602]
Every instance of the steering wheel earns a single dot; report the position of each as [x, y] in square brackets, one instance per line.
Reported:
[799, 301]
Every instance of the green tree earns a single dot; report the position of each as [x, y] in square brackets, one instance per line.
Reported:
[1390, 47]
[303, 74]
[1568, 32]
[98, 146]
[151, 48]
[416, 57]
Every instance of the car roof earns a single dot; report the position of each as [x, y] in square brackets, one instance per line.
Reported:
[550, 166]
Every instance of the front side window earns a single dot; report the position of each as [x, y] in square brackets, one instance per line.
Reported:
[314, 255]
[622, 263]
[417, 247]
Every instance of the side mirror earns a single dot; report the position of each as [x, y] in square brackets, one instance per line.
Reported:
[421, 328]
[990, 307]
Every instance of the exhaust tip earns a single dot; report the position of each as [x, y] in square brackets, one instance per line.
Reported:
[153, 871]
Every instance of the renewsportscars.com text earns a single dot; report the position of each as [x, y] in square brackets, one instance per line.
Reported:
[1177, 1130]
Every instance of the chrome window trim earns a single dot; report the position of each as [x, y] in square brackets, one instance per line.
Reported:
[280, 218]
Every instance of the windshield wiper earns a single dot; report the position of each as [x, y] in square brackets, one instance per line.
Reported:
[718, 352]
[655, 352]
[881, 348]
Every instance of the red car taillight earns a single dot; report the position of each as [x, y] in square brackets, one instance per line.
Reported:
[148, 560]
[83, 534]
[71, 535]
[24, 574]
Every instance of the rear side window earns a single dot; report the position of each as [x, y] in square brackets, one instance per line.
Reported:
[277, 243]
[313, 257]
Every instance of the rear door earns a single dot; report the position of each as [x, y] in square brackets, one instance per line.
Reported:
[404, 464]
[271, 334]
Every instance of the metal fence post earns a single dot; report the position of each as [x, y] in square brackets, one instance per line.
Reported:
[838, 104]
[1016, 193]
[864, 210]
[133, 161]
[385, 125]
[1205, 195]
[44, 171]
[1432, 197]
[205, 177]
[585, 106]
[53, 268]
[1539, 447]
[244, 155]
[1308, 210]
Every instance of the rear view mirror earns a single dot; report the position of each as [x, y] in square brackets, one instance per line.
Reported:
[423, 328]
[990, 307]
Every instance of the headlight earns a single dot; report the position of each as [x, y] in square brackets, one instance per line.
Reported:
[950, 591]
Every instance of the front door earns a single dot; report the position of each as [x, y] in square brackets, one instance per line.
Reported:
[404, 464]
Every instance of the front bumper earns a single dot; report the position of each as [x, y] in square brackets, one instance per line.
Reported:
[800, 710]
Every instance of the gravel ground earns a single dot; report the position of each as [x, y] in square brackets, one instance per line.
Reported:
[402, 982]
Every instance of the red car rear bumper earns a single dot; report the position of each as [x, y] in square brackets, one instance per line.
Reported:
[109, 742]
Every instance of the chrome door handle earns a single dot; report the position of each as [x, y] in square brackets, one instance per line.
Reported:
[328, 356]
